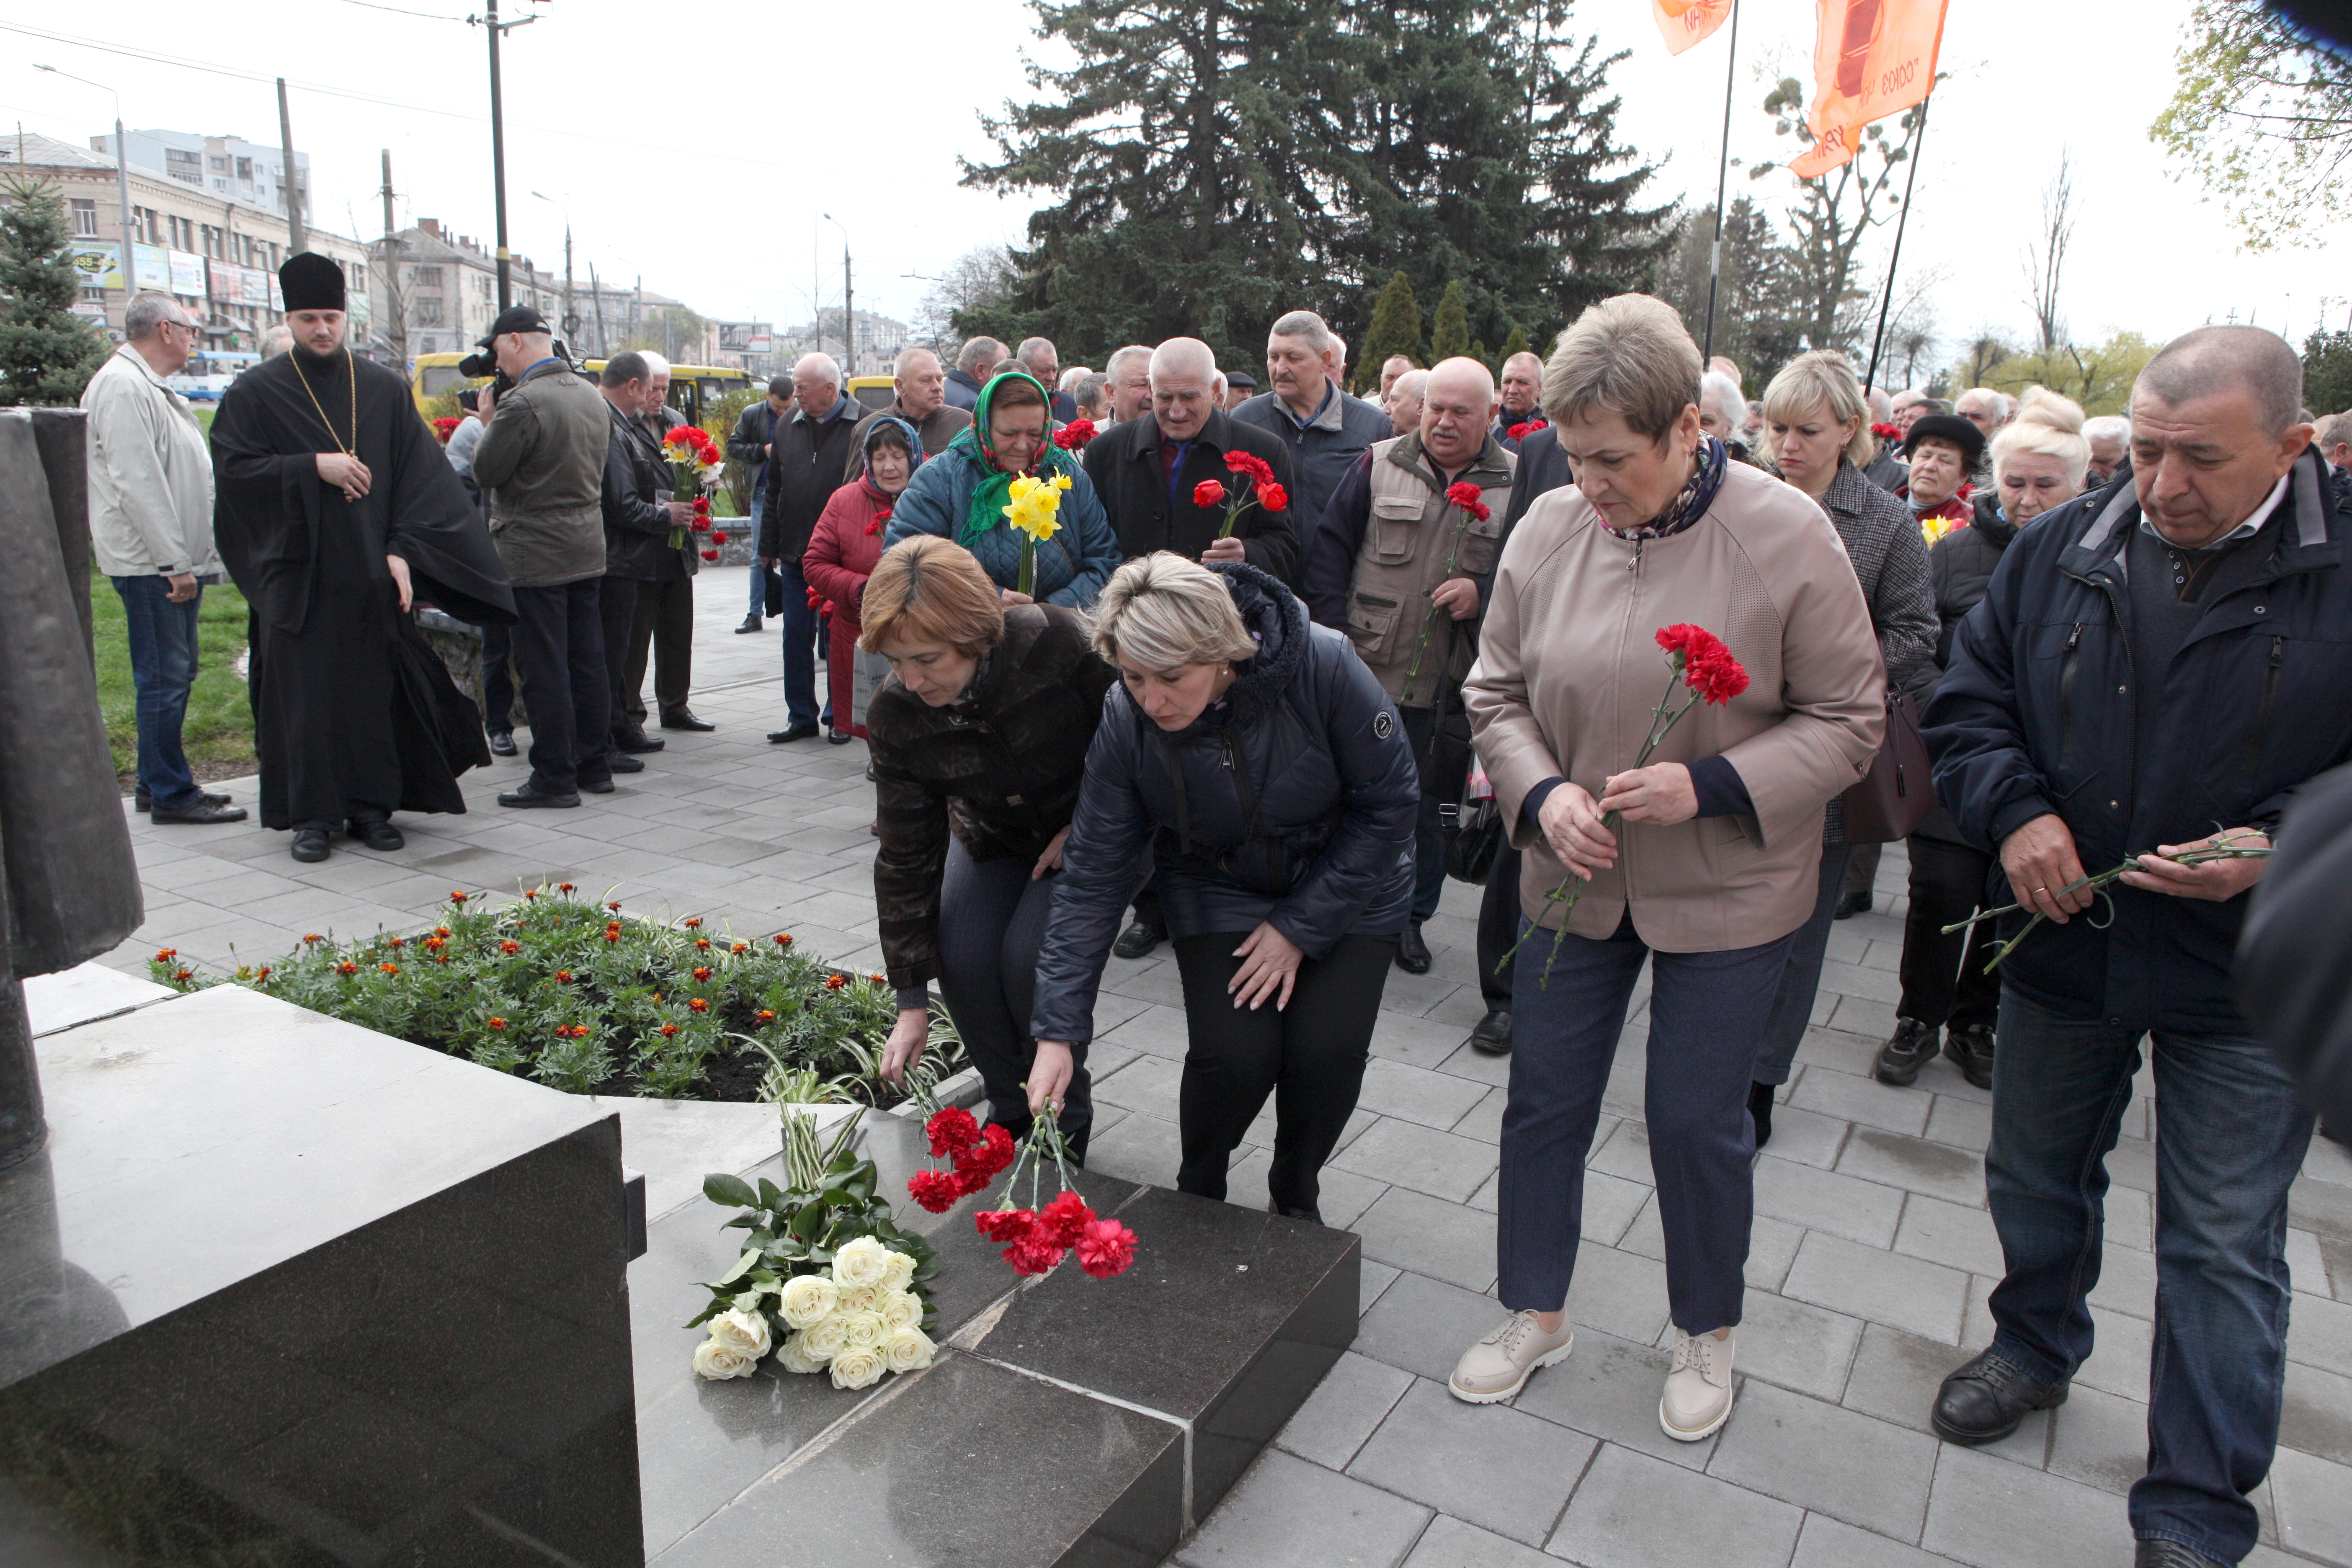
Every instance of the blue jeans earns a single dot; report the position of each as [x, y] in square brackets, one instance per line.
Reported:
[162, 637]
[1792, 1008]
[1706, 1010]
[758, 573]
[2230, 1135]
[803, 626]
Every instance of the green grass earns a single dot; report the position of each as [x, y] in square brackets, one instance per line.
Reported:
[219, 726]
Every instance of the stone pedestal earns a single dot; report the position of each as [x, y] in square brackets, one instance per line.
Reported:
[280, 1290]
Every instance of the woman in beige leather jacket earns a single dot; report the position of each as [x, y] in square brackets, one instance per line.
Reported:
[1711, 866]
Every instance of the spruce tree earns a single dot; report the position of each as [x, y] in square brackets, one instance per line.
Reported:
[1449, 333]
[1516, 343]
[1395, 329]
[48, 353]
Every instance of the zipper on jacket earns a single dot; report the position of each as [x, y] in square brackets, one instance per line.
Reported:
[2066, 691]
[2262, 733]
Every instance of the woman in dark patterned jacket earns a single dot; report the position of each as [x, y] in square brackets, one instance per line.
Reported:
[1818, 430]
[979, 743]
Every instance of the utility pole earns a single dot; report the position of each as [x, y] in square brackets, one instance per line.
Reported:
[498, 147]
[396, 299]
[848, 305]
[121, 175]
[571, 320]
[597, 291]
[295, 241]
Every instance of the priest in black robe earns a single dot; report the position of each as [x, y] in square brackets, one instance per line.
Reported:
[336, 512]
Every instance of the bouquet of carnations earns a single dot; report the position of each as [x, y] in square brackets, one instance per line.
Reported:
[826, 1281]
[445, 428]
[1254, 483]
[695, 462]
[1036, 1238]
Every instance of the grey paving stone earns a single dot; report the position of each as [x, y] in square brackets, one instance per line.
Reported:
[1852, 1098]
[1806, 1137]
[1624, 1153]
[1423, 1325]
[1915, 1164]
[1992, 1514]
[1416, 1094]
[2099, 1440]
[1450, 1543]
[1633, 1511]
[1619, 1293]
[1907, 1293]
[1483, 1121]
[2319, 1333]
[1372, 1279]
[1157, 1030]
[1421, 1158]
[1818, 1457]
[1145, 1083]
[1824, 1201]
[1353, 1398]
[2328, 1160]
[2317, 1414]
[1258, 1525]
[1609, 1388]
[1430, 1236]
[2315, 1506]
[1488, 1464]
[1858, 1016]
[2127, 1281]
[1876, 982]
[1416, 1042]
[1956, 1237]
[1478, 1066]
[2130, 1218]
[1962, 1124]
[1795, 1345]
[1141, 1147]
[2119, 1356]
[1771, 1244]
[1826, 1543]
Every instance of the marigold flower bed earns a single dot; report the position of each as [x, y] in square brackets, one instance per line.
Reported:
[577, 996]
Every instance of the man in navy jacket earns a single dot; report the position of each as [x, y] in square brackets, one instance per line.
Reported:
[2156, 666]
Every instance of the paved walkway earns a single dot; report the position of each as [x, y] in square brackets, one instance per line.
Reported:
[1873, 1251]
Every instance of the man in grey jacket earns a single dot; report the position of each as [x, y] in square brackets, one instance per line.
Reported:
[151, 525]
[542, 462]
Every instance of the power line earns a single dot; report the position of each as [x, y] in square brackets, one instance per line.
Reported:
[427, 15]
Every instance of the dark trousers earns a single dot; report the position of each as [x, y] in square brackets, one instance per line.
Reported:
[559, 652]
[616, 607]
[759, 605]
[1707, 1012]
[2230, 1135]
[1944, 982]
[1309, 1056]
[162, 637]
[991, 920]
[1438, 783]
[1792, 1008]
[498, 680]
[662, 630]
[803, 626]
[1498, 927]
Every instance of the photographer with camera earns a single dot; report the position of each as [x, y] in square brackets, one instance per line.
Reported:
[541, 461]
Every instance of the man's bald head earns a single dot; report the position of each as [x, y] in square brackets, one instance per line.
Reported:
[2212, 359]
[1454, 412]
[1404, 400]
[1183, 387]
[1183, 357]
[920, 384]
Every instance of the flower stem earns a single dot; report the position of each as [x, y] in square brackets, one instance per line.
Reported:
[2219, 849]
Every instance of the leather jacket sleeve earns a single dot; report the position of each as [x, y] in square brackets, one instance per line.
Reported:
[907, 869]
[1100, 861]
[1381, 795]
[744, 442]
[627, 507]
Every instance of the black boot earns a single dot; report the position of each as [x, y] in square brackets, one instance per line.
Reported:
[1138, 939]
[1760, 1111]
[1986, 1400]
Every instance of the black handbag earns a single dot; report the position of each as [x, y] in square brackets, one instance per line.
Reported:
[1897, 795]
[774, 589]
[1473, 838]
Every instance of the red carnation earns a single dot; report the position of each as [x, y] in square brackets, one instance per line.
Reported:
[1073, 436]
[1272, 497]
[1467, 496]
[1887, 432]
[952, 1131]
[1706, 666]
[719, 539]
[934, 1189]
[1207, 493]
[1065, 1219]
[1259, 471]
[1033, 1254]
[1105, 1248]
[995, 1153]
[1005, 1225]
[710, 555]
[967, 1182]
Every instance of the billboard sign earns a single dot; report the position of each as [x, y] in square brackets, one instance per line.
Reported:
[99, 262]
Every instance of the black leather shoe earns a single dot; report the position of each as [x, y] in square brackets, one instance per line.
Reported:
[838, 737]
[791, 732]
[683, 719]
[751, 623]
[1911, 1046]
[1412, 953]
[501, 744]
[375, 833]
[309, 845]
[2170, 1554]
[635, 740]
[1970, 1050]
[597, 786]
[141, 801]
[622, 763]
[1492, 1037]
[1760, 1111]
[1312, 1216]
[1854, 904]
[528, 796]
[1140, 937]
[203, 809]
[1984, 1401]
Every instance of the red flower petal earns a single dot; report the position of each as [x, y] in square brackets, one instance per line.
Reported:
[1207, 493]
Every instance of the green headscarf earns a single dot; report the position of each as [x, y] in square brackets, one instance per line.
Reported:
[994, 492]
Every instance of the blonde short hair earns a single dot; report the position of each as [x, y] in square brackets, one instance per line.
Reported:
[927, 589]
[2049, 425]
[1823, 378]
[1163, 611]
[1629, 355]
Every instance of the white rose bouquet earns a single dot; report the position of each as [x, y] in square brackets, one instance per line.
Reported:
[826, 1281]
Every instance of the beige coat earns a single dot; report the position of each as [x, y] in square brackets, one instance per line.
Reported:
[151, 474]
[1569, 670]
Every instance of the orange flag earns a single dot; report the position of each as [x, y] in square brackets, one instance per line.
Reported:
[1687, 22]
[1872, 59]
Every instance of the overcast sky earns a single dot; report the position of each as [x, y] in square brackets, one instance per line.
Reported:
[698, 146]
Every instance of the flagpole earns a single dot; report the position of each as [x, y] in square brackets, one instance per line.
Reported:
[1722, 173]
[1918, 140]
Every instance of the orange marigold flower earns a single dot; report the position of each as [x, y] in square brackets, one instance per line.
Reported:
[440, 930]
[702, 974]
[697, 1004]
[669, 1031]
[396, 943]
[456, 896]
[311, 939]
[529, 893]
[835, 981]
[563, 977]
[741, 947]
[767, 1015]
[612, 935]
[875, 978]
[614, 905]
[495, 1023]
[347, 967]
[389, 968]
[263, 974]
[694, 924]
[783, 938]
[562, 887]
[167, 954]
[186, 974]
[509, 947]
[702, 944]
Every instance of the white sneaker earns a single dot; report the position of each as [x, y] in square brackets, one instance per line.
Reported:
[1496, 1367]
[1697, 1400]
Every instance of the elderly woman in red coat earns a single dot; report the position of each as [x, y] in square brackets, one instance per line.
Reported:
[844, 547]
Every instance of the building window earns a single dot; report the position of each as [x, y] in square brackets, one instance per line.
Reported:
[244, 168]
[84, 217]
[359, 277]
[220, 165]
[89, 293]
[429, 312]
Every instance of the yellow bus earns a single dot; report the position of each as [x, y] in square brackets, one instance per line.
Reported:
[692, 388]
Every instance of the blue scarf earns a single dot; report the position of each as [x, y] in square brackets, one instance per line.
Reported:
[1691, 503]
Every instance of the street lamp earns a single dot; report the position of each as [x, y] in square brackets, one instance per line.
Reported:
[849, 301]
[571, 320]
[121, 169]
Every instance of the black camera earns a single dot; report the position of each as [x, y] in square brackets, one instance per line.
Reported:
[483, 362]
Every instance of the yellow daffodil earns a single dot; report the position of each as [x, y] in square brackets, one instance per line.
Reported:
[1036, 506]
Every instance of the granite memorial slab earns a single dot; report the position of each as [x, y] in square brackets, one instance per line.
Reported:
[293, 1291]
